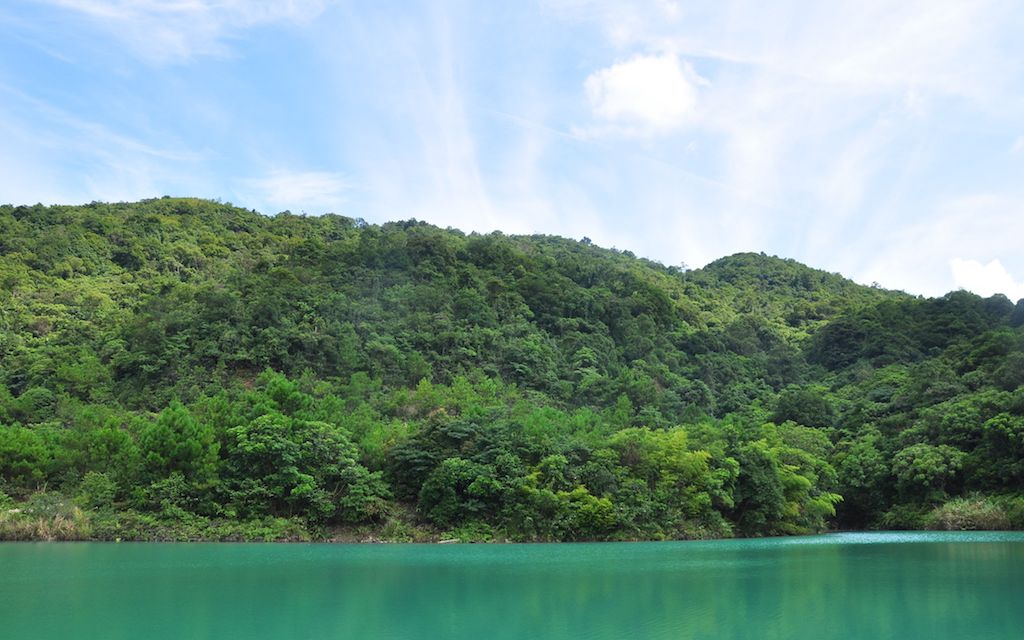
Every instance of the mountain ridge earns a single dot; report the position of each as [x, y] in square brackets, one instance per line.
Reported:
[564, 372]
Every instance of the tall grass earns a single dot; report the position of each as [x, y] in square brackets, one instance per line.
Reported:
[973, 513]
[22, 525]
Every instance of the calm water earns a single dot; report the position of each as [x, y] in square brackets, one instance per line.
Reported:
[928, 586]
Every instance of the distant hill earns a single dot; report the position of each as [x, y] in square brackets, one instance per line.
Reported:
[745, 397]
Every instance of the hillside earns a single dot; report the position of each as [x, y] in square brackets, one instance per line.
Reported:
[179, 368]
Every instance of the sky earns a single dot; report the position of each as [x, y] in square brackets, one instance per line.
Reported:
[880, 140]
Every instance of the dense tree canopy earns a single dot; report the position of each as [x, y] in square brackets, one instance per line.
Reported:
[179, 361]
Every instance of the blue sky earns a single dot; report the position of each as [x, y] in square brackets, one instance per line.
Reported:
[882, 140]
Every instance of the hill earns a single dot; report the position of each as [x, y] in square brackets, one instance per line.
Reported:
[184, 368]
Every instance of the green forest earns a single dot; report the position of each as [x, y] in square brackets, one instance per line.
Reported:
[182, 369]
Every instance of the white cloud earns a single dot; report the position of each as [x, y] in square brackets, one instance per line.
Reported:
[316, 191]
[826, 123]
[645, 93]
[917, 256]
[163, 31]
[867, 43]
[985, 279]
[843, 134]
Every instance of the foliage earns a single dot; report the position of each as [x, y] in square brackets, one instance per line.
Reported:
[97, 491]
[972, 513]
[923, 471]
[186, 369]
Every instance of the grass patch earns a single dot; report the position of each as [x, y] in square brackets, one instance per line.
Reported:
[973, 513]
[46, 517]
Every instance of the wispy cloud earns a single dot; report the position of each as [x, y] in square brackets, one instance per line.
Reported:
[60, 157]
[828, 114]
[971, 230]
[864, 43]
[315, 191]
[167, 31]
[413, 146]
[876, 139]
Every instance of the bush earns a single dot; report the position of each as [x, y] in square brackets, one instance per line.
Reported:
[176, 525]
[47, 516]
[396, 530]
[173, 491]
[904, 516]
[1013, 506]
[97, 491]
[474, 531]
[976, 513]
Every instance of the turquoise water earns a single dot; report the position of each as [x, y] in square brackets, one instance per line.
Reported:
[928, 586]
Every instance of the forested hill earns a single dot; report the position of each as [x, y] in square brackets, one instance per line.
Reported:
[180, 368]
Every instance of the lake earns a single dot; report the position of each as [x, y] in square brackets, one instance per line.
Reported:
[876, 585]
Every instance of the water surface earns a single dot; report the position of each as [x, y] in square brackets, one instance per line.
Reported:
[920, 585]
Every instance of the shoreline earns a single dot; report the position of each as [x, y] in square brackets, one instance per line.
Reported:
[78, 525]
[431, 543]
[290, 532]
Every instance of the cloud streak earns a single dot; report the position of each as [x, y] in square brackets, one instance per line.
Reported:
[971, 230]
[881, 141]
[317, 191]
[823, 121]
[175, 31]
[53, 156]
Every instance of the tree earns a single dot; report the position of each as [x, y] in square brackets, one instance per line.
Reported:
[283, 466]
[923, 471]
[807, 406]
[760, 496]
[24, 458]
[177, 442]
[864, 479]
[455, 491]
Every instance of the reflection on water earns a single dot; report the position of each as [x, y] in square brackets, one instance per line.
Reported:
[890, 585]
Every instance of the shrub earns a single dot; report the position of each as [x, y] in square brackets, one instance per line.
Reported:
[904, 516]
[46, 516]
[97, 491]
[975, 513]
[1013, 506]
